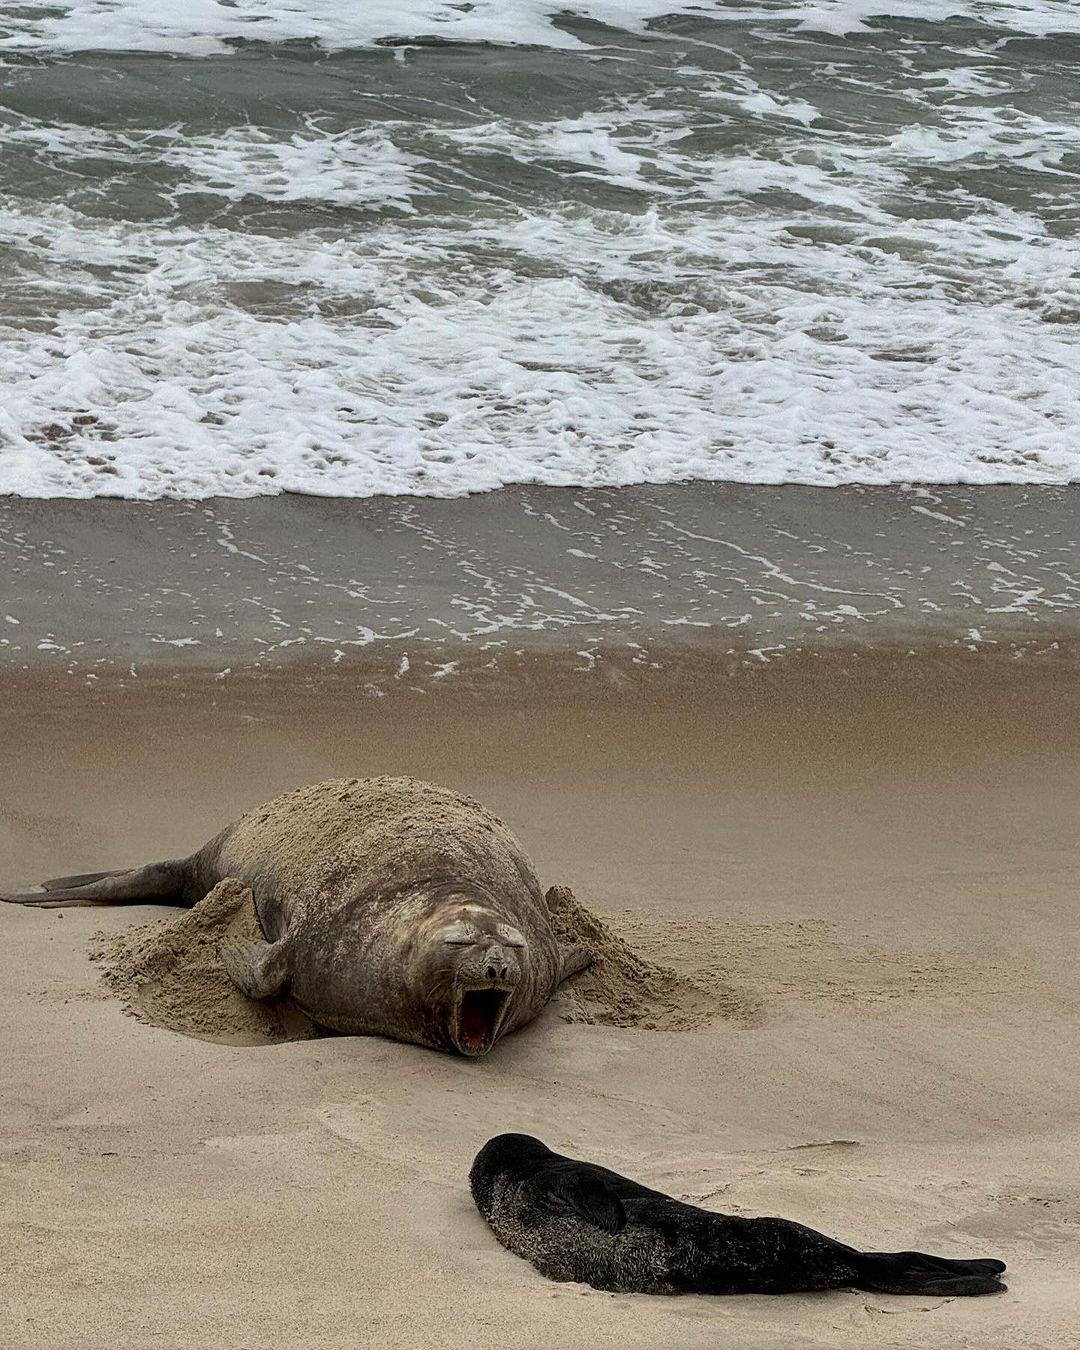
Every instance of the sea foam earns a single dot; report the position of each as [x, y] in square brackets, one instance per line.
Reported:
[855, 267]
[202, 27]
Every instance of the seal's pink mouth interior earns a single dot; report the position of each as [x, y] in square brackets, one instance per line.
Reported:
[479, 1019]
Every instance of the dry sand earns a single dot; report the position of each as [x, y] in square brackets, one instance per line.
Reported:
[874, 862]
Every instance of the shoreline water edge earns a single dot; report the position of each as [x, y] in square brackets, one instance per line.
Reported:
[420, 590]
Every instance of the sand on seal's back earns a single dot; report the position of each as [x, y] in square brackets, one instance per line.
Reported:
[352, 838]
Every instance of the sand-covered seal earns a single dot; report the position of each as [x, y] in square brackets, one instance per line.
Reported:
[388, 906]
[577, 1221]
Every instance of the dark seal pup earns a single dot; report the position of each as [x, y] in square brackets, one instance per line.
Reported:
[576, 1221]
[389, 907]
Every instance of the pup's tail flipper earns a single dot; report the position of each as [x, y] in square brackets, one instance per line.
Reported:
[156, 883]
[919, 1273]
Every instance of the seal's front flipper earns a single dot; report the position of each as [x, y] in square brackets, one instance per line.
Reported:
[574, 960]
[258, 969]
[581, 1191]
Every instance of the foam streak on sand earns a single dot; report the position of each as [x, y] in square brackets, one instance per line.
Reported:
[429, 593]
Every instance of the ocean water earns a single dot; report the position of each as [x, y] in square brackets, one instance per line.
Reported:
[411, 246]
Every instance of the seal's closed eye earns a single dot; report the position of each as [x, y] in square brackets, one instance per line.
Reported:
[584, 1193]
[460, 934]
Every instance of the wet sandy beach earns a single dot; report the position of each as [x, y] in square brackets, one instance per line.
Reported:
[754, 572]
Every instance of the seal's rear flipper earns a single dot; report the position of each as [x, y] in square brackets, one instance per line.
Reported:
[161, 883]
[258, 969]
[82, 879]
[919, 1273]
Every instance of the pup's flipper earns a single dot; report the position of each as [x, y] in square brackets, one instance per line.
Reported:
[574, 960]
[584, 1193]
[82, 879]
[920, 1273]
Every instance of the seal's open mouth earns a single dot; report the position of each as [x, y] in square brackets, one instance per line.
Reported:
[480, 1014]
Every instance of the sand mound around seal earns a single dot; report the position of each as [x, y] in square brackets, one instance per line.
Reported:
[170, 973]
[622, 988]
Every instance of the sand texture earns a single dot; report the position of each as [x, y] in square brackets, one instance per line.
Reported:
[624, 988]
[360, 840]
[170, 973]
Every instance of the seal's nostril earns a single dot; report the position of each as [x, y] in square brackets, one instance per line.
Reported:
[505, 973]
[491, 972]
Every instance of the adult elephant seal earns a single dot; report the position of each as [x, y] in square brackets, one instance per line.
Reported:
[389, 907]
